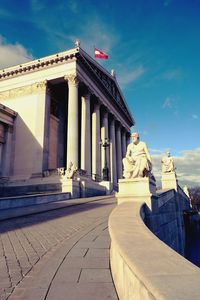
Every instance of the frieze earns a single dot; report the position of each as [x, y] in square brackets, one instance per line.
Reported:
[24, 90]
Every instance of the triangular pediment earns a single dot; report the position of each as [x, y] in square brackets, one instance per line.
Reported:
[108, 82]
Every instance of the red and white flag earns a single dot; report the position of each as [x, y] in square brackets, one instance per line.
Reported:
[100, 54]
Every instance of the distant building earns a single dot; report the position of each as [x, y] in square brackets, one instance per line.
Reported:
[61, 109]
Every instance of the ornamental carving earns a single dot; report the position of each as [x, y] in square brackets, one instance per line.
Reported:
[72, 79]
[24, 90]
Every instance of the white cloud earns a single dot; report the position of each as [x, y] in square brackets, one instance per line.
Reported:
[96, 33]
[12, 54]
[174, 74]
[187, 165]
[195, 116]
[130, 76]
[156, 151]
[167, 103]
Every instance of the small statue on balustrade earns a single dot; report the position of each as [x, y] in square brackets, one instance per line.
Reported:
[168, 163]
[137, 162]
[71, 171]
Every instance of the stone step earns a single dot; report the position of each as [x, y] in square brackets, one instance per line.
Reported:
[32, 199]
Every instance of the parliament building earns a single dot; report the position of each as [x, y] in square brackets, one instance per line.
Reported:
[59, 110]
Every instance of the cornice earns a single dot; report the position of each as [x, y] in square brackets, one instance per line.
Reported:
[7, 111]
[39, 64]
[109, 86]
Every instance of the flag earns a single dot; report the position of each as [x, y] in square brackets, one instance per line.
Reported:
[100, 54]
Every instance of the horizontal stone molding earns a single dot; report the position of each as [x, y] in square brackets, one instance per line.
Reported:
[38, 64]
[142, 266]
[24, 90]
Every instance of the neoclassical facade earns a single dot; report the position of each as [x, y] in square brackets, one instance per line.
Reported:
[63, 108]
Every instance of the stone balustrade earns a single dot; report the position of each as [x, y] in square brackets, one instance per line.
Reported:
[143, 267]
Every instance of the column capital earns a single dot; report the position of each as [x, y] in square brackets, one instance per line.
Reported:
[97, 104]
[112, 117]
[118, 125]
[86, 92]
[124, 130]
[72, 79]
[112, 121]
[105, 113]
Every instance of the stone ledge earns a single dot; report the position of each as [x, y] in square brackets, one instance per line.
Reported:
[143, 267]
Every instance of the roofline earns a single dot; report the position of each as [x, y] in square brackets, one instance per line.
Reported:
[49, 60]
[111, 77]
[38, 63]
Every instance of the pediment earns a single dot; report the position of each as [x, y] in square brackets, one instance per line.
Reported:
[106, 80]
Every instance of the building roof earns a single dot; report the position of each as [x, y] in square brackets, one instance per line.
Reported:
[101, 76]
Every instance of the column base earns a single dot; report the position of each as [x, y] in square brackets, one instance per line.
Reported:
[136, 189]
[169, 181]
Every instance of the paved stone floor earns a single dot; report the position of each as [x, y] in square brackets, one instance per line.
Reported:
[59, 254]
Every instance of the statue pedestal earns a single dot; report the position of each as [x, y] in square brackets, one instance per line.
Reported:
[169, 181]
[136, 189]
[82, 187]
[72, 186]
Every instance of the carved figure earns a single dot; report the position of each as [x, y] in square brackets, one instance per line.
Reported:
[61, 171]
[168, 163]
[137, 162]
[71, 171]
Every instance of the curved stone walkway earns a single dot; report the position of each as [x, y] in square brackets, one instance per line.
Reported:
[60, 254]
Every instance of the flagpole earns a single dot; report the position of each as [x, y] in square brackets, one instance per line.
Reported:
[94, 51]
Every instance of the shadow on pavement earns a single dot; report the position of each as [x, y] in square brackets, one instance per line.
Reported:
[41, 217]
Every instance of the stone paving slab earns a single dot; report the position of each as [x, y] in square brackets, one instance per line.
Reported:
[67, 248]
[84, 291]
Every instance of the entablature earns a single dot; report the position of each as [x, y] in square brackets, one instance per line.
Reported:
[39, 64]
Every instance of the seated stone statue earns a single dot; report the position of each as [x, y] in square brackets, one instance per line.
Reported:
[137, 162]
[168, 164]
[71, 171]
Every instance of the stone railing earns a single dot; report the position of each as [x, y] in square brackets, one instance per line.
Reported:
[165, 219]
[143, 267]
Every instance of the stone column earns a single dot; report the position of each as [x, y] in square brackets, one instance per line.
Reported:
[96, 147]
[46, 131]
[38, 163]
[119, 152]
[104, 136]
[113, 162]
[72, 126]
[128, 139]
[85, 134]
[7, 159]
[123, 143]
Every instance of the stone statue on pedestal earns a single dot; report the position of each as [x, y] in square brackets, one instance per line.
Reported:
[137, 162]
[71, 171]
[168, 163]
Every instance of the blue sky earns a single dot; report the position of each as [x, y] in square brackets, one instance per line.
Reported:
[154, 46]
